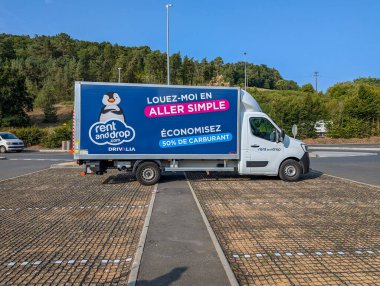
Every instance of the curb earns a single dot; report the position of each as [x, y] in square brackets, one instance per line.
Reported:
[344, 148]
[65, 165]
[46, 150]
[227, 268]
[140, 248]
[2, 158]
[53, 151]
[313, 155]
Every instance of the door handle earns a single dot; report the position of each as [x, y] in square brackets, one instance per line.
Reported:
[255, 146]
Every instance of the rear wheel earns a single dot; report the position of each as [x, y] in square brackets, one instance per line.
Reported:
[148, 173]
[290, 170]
[3, 149]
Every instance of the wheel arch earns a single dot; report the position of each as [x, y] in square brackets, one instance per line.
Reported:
[290, 158]
[138, 162]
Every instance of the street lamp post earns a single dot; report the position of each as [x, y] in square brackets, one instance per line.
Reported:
[167, 41]
[119, 73]
[245, 71]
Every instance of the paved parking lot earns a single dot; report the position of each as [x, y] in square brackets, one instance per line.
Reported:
[320, 231]
[57, 228]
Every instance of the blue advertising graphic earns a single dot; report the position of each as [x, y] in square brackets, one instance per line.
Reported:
[141, 119]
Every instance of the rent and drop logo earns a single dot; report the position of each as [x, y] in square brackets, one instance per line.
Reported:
[112, 132]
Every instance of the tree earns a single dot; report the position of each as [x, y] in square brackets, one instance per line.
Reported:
[283, 84]
[308, 88]
[175, 68]
[46, 99]
[218, 80]
[14, 98]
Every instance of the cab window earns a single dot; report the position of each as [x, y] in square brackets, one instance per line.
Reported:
[263, 128]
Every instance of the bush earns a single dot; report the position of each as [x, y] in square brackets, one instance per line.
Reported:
[55, 137]
[15, 120]
[351, 128]
[30, 135]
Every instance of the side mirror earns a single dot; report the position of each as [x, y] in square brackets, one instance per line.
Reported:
[280, 136]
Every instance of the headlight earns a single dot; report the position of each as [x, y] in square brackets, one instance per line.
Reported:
[305, 148]
[8, 142]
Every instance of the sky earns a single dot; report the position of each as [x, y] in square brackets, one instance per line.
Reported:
[338, 38]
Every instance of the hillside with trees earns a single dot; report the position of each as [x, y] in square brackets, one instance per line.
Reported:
[39, 72]
[351, 109]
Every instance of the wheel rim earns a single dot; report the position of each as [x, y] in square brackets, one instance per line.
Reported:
[148, 174]
[2, 149]
[290, 171]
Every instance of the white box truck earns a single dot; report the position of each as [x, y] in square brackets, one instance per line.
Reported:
[150, 129]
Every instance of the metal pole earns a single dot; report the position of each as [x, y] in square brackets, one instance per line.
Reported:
[119, 73]
[316, 74]
[167, 42]
[245, 71]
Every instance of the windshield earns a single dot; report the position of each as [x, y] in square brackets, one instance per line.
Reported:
[8, 136]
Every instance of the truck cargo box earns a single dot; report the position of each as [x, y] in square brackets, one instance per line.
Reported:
[135, 121]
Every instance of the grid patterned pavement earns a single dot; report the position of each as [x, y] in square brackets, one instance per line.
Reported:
[319, 231]
[60, 228]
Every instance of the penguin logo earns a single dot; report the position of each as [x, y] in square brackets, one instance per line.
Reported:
[111, 108]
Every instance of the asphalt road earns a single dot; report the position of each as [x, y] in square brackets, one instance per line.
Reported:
[16, 164]
[361, 166]
[365, 169]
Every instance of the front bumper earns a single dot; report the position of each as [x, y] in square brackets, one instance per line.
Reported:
[15, 147]
[305, 162]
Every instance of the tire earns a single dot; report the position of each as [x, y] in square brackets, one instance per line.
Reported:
[3, 149]
[148, 173]
[290, 171]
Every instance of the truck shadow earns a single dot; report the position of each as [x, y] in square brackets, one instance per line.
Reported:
[121, 178]
[220, 176]
[124, 178]
[164, 280]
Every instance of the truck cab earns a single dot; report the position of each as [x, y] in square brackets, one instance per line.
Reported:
[265, 149]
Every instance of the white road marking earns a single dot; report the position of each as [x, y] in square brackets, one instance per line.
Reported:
[62, 208]
[319, 253]
[38, 159]
[60, 262]
[342, 154]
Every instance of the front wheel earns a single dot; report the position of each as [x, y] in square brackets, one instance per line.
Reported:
[148, 173]
[3, 149]
[290, 170]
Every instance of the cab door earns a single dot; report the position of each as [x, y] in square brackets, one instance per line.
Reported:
[265, 152]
